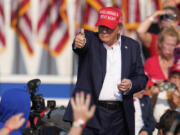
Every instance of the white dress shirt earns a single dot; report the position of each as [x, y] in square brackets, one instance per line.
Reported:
[110, 91]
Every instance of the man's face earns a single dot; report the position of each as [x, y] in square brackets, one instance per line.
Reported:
[109, 36]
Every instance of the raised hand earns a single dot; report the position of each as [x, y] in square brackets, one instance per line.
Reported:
[80, 106]
[80, 39]
[15, 121]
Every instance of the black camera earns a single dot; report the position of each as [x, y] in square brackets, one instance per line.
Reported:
[165, 86]
[48, 116]
[168, 17]
[38, 103]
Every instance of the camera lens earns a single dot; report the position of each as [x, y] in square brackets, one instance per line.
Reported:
[168, 17]
[51, 104]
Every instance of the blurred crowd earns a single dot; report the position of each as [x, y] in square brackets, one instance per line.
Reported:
[159, 35]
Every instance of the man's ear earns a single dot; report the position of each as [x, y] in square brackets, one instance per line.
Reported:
[120, 28]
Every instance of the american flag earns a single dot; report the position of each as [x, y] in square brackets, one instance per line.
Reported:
[79, 13]
[21, 23]
[43, 25]
[133, 12]
[158, 4]
[54, 22]
[91, 13]
[2, 26]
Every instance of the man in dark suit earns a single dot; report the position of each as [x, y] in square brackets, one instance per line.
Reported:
[111, 70]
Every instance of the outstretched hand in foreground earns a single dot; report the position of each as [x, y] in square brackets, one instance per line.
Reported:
[81, 112]
[80, 106]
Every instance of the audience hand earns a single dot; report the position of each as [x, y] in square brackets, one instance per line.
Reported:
[15, 121]
[80, 39]
[80, 107]
[161, 12]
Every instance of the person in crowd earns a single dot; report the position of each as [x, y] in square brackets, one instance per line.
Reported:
[14, 101]
[81, 112]
[111, 71]
[13, 123]
[157, 67]
[167, 94]
[172, 3]
[144, 119]
[166, 100]
[174, 76]
[172, 82]
[168, 17]
[166, 122]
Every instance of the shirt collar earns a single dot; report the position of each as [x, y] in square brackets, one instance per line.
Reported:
[118, 43]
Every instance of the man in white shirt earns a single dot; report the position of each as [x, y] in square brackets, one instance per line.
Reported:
[111, 70]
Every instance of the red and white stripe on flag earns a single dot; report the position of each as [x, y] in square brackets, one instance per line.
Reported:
[2, 27]
[131, 10]
[43, 26]
[158, 4]
[53, 23]
[91, 13]
[21, 23]
[79, 13]
[131, 13]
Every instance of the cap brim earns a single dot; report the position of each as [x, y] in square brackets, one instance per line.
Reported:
[107, 23]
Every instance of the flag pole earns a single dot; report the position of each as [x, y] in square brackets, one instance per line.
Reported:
[17, 43]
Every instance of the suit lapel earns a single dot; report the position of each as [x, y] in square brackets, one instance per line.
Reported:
[103, 56]
[124, 52]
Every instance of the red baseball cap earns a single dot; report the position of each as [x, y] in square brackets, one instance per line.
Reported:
[109, 17]
[175, 68]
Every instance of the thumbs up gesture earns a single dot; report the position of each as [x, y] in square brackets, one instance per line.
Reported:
[80, 39]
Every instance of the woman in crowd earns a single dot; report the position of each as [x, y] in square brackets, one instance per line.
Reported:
[157, 67]
[168, 17]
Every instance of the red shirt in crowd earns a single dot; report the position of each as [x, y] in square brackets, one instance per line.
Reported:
[153, 45]
[153, 70]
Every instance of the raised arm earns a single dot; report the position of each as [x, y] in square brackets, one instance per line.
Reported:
[81, 112]
[13, 123]
[143, 27]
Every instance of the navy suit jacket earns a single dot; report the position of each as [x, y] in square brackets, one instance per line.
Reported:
[147, 114]
[92, 70]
